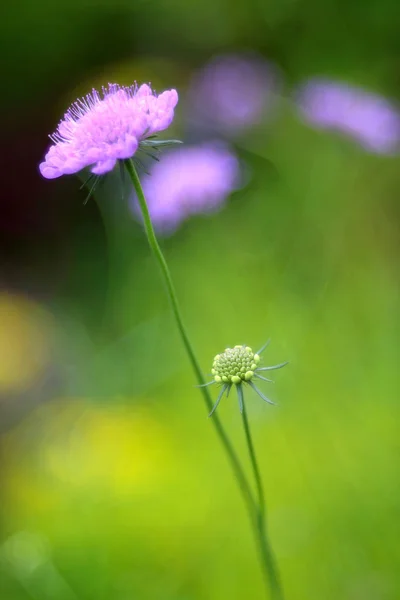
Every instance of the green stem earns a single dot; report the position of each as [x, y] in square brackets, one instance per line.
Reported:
[154, 245]
[267, 556]
[253, 459]
[256, 511]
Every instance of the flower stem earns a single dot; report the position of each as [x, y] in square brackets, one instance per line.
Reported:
[267, 556]
[256, 512]
[155, 247]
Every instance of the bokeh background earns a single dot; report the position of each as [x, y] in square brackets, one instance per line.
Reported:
[113, 485]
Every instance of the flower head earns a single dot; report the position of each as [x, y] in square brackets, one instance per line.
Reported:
[237, 366]
[233, 92]
[369, 118]
[189, 180]
[100, 129]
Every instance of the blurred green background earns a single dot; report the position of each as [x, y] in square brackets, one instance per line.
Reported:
[113, 484]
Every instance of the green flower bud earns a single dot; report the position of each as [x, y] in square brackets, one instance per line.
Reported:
[235, 365]
[239, 365]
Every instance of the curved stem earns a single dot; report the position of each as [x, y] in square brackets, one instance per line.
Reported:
[154, 245]
[256, 511]
[271, 569]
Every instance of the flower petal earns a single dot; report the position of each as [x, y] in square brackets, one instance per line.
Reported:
[104, 166]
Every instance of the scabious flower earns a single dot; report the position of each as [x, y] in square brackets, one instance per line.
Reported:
[102, 128]
[189, 180]
[232, 92]
[239, 366]
[366, 117]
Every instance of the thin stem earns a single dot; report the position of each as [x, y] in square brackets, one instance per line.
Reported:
[154, 245]
[271, 569]
[253, 459]
[256, 513]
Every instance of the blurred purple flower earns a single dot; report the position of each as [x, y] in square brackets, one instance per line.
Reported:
[99, 129]
[369, 118]
[187, 181]
[232, 92]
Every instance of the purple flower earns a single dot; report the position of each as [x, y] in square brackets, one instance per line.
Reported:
[369, 118]
[187, 181]
[100, 129]
[232, 92]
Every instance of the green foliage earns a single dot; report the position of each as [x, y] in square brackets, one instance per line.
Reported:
[123, 477]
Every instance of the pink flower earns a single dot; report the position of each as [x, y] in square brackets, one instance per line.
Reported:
[364, 116]
[233, 92]
[98, 130]
[188, 181]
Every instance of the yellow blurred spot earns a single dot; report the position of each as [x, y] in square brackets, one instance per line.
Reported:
[24, 347]
[114, 451]
[113, 448]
